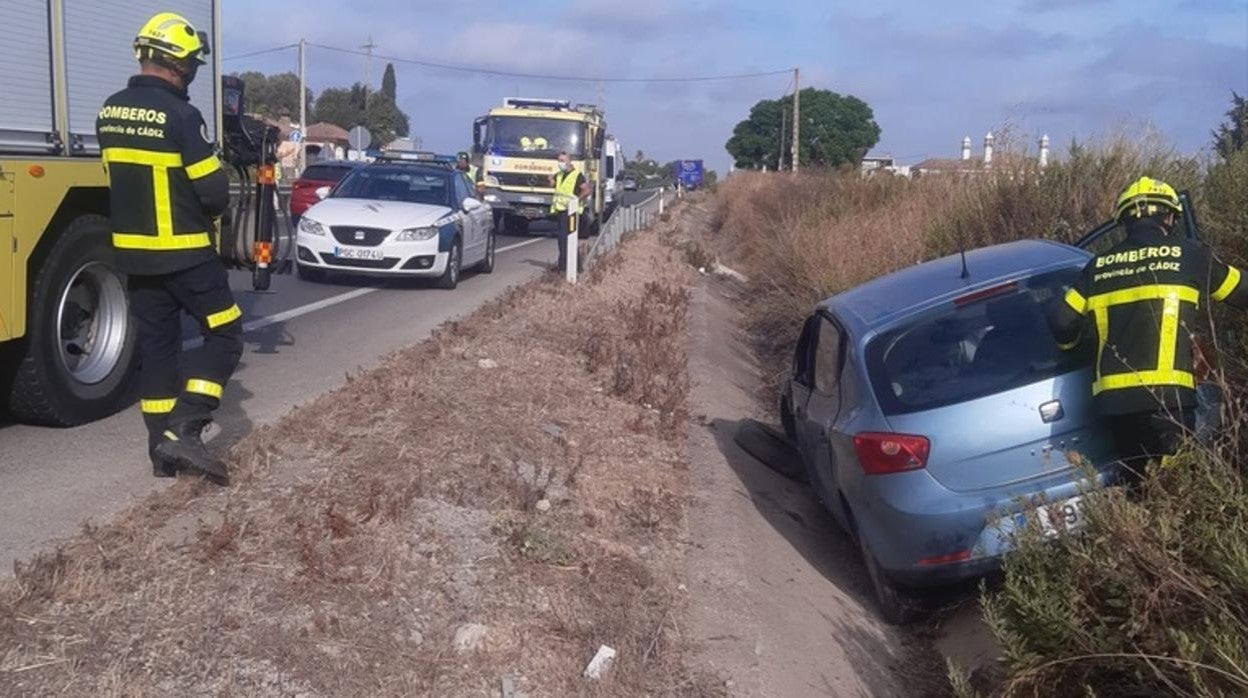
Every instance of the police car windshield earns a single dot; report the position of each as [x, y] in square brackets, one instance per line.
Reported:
[411, 185]
[535, 137]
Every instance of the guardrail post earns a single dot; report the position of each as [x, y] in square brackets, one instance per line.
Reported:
[661, 192]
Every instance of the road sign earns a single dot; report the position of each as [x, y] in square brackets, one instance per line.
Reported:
[360, 138]
[296, 136]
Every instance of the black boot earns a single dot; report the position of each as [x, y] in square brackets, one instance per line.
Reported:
[182, 449]
[155, 434]
[159, 468]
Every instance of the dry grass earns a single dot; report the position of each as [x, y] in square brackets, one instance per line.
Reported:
[368, 525]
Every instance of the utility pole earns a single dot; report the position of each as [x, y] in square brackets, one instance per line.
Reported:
[797, 109]
[368, 63]
[784, 116]
[303, 106]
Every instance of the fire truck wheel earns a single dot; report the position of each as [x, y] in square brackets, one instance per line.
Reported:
[78, 361]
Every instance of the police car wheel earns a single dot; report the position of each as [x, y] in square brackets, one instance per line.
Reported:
[450, 278]
[79, 359]
[487, 265]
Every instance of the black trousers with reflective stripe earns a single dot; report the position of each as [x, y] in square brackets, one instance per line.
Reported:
[1142, 437]
[195, 380]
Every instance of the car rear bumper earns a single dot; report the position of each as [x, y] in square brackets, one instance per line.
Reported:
[404, 259]
[909, 518]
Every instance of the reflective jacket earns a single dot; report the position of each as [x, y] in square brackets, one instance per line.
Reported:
[165, 182]
[1143, 297]
[567, 187]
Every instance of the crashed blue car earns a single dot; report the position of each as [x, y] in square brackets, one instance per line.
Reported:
[929, 404]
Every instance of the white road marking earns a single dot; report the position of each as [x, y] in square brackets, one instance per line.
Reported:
[263, 322]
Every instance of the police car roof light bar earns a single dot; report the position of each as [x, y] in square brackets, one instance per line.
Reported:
[416, 156]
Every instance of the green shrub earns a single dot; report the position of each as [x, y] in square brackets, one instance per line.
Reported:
[1151, 600]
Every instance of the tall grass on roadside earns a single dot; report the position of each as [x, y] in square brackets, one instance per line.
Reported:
[804, 238]
[1068, 198]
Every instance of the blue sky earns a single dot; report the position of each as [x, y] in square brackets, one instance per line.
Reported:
[933, 72]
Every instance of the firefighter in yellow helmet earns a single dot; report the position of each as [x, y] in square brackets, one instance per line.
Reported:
[166, 187]
[1143, 296]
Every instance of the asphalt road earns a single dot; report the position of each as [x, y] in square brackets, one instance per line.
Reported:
[301, 341]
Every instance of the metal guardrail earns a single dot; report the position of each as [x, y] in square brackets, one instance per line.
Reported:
[625, 220]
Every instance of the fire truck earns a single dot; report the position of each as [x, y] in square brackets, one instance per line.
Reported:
[516, 146]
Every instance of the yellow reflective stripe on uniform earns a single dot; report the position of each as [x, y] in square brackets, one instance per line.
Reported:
[203, 387]
[1169, 334]
[1228, 284]
[1068, 345]
[1102, 334]
[1144, 379]
[224, 317]
[1150, 292]
[134, 156]
[203, 168]
[162, 406]
[164, 202]
[1076, 301]
[139, 241]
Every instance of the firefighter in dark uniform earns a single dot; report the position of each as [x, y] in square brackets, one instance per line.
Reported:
[166, 187]
[1143, 296]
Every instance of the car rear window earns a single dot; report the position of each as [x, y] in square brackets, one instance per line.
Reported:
[325, 173]
[972, 349]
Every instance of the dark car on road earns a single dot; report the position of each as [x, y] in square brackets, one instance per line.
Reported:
[322, 174]
[931, 406]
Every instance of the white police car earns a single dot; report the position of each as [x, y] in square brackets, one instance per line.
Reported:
[397, 218]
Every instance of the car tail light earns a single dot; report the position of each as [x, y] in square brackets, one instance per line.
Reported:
[983, 294]
[883, 453]
[960, 556]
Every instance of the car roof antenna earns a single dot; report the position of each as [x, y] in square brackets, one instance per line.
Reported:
[966, 273]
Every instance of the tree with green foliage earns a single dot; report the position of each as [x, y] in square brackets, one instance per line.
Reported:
[343, 106]
[1228, 138]
[835, 130]
[271, 95]
[384, 119]
[389, 88]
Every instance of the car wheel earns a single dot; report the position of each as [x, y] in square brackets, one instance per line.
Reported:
[450, 278]
[79, 360]
[487, 265]
[311, 274]
[896, 606]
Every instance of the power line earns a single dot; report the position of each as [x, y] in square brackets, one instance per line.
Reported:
[260, 52]
[537, 76]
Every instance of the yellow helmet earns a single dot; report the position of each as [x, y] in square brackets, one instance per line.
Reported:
[172, 35]
[1146, 197]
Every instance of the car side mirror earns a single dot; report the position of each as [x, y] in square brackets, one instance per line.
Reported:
[470, 204]
[322, 192]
